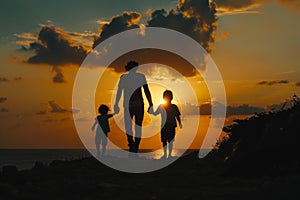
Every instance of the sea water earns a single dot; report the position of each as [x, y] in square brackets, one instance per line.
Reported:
[26, 158]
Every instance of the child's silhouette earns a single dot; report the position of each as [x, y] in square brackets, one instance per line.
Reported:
[169, 113]
[102, 128]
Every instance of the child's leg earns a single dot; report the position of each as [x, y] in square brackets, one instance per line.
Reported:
[98, 149]
[170, 148]
[104, 143]
[103, 149]
[97, 142]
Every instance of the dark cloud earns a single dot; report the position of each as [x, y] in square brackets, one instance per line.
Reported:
[42, 112]
[75, 111]
[263, 83]
[243, 110]
[244, 5]
[55, 47]
[276, 82]
[55, 108]
[18, 78]
[2, 99]
[235, 4]
[205, 109]
[120, 23]
[59, 77]
[144, 56]
[50, 120]
[206, 21]
[3, 110]
[195, 18]
[3, 79]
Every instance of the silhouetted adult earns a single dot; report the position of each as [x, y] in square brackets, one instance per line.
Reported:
[131, 84]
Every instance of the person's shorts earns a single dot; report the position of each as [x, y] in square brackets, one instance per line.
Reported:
[167, 133]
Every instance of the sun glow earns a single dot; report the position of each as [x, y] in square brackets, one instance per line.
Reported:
[163, 101]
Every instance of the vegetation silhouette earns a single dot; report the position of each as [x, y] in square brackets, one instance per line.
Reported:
[265, 141]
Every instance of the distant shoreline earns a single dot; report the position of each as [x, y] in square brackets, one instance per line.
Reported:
[26, 158]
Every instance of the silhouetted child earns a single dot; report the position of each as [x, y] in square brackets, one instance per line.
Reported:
[169, 114]
[102, 128]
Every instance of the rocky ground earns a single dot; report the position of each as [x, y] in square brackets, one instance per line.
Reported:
[187, 178]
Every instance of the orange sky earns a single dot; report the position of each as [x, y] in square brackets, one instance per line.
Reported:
[251, 47]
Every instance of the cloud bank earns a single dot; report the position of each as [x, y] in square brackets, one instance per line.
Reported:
[56, 47]
[53, 46]
[247, 6]
[276, 82]
[205, 109]
[55, 108]
[118, 24]
[195, 18]
[3, 110]
[3, 99]
[3, 79]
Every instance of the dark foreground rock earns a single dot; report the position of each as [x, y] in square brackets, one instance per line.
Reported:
[187, 178]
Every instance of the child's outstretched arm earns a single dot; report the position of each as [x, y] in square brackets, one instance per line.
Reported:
[110, 115]
[155, 113]
[93, 127]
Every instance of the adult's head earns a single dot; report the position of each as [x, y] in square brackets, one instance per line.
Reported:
[131, 64]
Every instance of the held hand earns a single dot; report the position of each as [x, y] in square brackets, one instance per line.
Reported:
[116, 109]
[150, 110]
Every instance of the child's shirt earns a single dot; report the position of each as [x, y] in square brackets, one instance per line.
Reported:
[168, 114]
[103, 122]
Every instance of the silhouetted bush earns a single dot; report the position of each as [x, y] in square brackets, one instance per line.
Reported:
[264, 141]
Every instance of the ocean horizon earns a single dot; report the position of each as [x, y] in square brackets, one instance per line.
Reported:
[26, 158]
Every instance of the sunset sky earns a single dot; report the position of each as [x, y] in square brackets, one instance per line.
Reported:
[254, 43]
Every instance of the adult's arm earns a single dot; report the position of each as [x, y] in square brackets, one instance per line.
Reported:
[148, 95]
[118, 97]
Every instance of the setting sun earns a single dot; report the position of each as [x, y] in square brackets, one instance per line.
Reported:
[162, 101]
